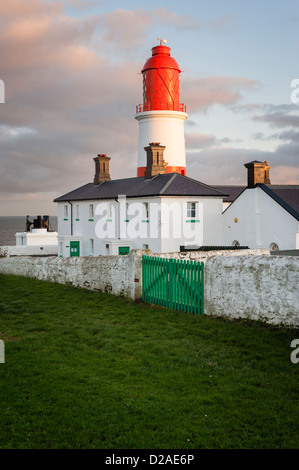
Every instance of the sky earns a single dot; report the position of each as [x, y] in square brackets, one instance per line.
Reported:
[71, 72]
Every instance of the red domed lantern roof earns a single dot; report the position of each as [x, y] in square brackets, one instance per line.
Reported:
[161, 59]
[161, 82]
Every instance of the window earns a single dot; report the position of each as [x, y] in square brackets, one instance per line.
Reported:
[145, 210]
[91, 246]
[145, 246]
[191, 210]
[91, 212]
[66, 211]
[127, 211]
[77, 211]
[109, 210]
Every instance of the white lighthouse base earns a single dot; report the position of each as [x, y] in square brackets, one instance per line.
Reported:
[166, 128]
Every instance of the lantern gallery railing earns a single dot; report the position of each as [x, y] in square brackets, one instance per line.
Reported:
[140, 108]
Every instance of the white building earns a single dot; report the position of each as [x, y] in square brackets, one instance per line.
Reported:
[263, 215]
[38, 235]
[159, 211]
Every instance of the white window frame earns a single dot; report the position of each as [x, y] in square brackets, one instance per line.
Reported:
[91, 211]
[191, 209]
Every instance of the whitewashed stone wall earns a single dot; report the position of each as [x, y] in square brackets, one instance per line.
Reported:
[119, 275]
[204, 255]
[28, 250]
[261, 288]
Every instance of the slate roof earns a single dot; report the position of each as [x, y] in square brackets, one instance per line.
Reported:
[287, 195]
[232, 191]
[171, 184]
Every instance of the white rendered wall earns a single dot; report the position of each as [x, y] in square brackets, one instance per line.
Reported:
[260, 222]
[212, 217]
[165, 230]
[167, 128]
[37, 237]
[107, 229]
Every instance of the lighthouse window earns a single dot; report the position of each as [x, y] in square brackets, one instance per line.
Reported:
[191, 210]
[91, 213]
[66, 211]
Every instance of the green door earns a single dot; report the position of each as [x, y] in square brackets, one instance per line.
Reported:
[74, 248]
[123, 250]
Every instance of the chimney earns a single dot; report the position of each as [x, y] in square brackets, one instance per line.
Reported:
[101, 169]
[257, 172]
[155, 164]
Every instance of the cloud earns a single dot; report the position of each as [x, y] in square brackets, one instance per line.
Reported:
[283, 115]
[279, 119]
[68, 97]
[218, 165]
[83, 4]
[202, 93]
[199, 141]
[223, 23]
[183, 22]
[123, 30]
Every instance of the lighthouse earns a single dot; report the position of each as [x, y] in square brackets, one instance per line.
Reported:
[161, 117]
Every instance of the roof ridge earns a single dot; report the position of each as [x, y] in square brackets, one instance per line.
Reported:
[168, 183]
[203, 184]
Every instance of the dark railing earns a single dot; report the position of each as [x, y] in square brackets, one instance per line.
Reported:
[212, 248]
[140, 108]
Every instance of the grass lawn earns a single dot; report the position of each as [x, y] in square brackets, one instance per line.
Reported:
[89, 370]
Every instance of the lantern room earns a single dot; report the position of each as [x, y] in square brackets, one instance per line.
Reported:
[161, 82]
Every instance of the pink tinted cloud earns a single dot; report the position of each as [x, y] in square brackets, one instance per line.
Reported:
[14, 9]
[285, 174]
[197, 140]
[202, 93]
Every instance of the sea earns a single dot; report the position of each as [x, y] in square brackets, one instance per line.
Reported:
[10, 225]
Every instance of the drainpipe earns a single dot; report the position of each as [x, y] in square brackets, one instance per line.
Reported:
[71, 217]
[117, 220]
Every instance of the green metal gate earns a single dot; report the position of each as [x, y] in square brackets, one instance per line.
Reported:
[173, 283]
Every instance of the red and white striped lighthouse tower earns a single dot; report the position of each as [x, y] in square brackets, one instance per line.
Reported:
[161, 117]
